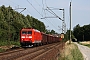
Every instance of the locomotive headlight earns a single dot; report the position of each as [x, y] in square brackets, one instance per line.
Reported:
[30, 37]
[23, 37]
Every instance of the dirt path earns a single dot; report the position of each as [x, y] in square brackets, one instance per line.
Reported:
[85, 51]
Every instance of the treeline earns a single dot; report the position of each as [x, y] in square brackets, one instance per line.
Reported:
[82, 33]
[11, 22]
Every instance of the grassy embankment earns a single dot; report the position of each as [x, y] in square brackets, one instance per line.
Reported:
[88, 45]
[71, 52]
[4, 45]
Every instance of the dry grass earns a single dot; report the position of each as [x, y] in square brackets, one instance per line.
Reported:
[85, 42]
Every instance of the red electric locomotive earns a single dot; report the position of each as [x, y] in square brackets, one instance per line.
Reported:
[30, 36]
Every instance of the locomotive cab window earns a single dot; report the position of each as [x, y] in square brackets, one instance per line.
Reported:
[24, 32]
[29, 32]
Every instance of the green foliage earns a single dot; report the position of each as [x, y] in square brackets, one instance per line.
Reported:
[16, 43]
[67, 35]
[50, 32]
[82, 33]
[3, 43]
[87, 45]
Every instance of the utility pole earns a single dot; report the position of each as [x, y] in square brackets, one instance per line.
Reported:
[70, 24]
[63, 22]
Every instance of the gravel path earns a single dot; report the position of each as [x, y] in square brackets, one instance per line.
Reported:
[85, 51]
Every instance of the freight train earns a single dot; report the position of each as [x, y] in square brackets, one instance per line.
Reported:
[29, 36]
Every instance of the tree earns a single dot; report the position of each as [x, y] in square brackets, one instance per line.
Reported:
[52, 32]
[82, 33]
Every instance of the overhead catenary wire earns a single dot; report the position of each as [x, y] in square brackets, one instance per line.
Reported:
[37, 3]
[54, 13]
[34, 8]
[39, 13]
[50, 11]
[43, 6]
[55, 16]
[45, 13]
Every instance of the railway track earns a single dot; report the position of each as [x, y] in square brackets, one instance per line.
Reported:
[12, 51]
[31, 53]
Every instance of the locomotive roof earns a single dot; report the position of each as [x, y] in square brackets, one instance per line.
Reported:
[28, 29]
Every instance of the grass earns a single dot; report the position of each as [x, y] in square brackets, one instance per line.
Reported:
[4, 45]
[88, 45]
[76, 53]
[71, 52]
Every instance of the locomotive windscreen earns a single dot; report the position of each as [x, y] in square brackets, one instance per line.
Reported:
[26, 32]
[29, 32]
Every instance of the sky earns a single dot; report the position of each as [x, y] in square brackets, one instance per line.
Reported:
[80, 11]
